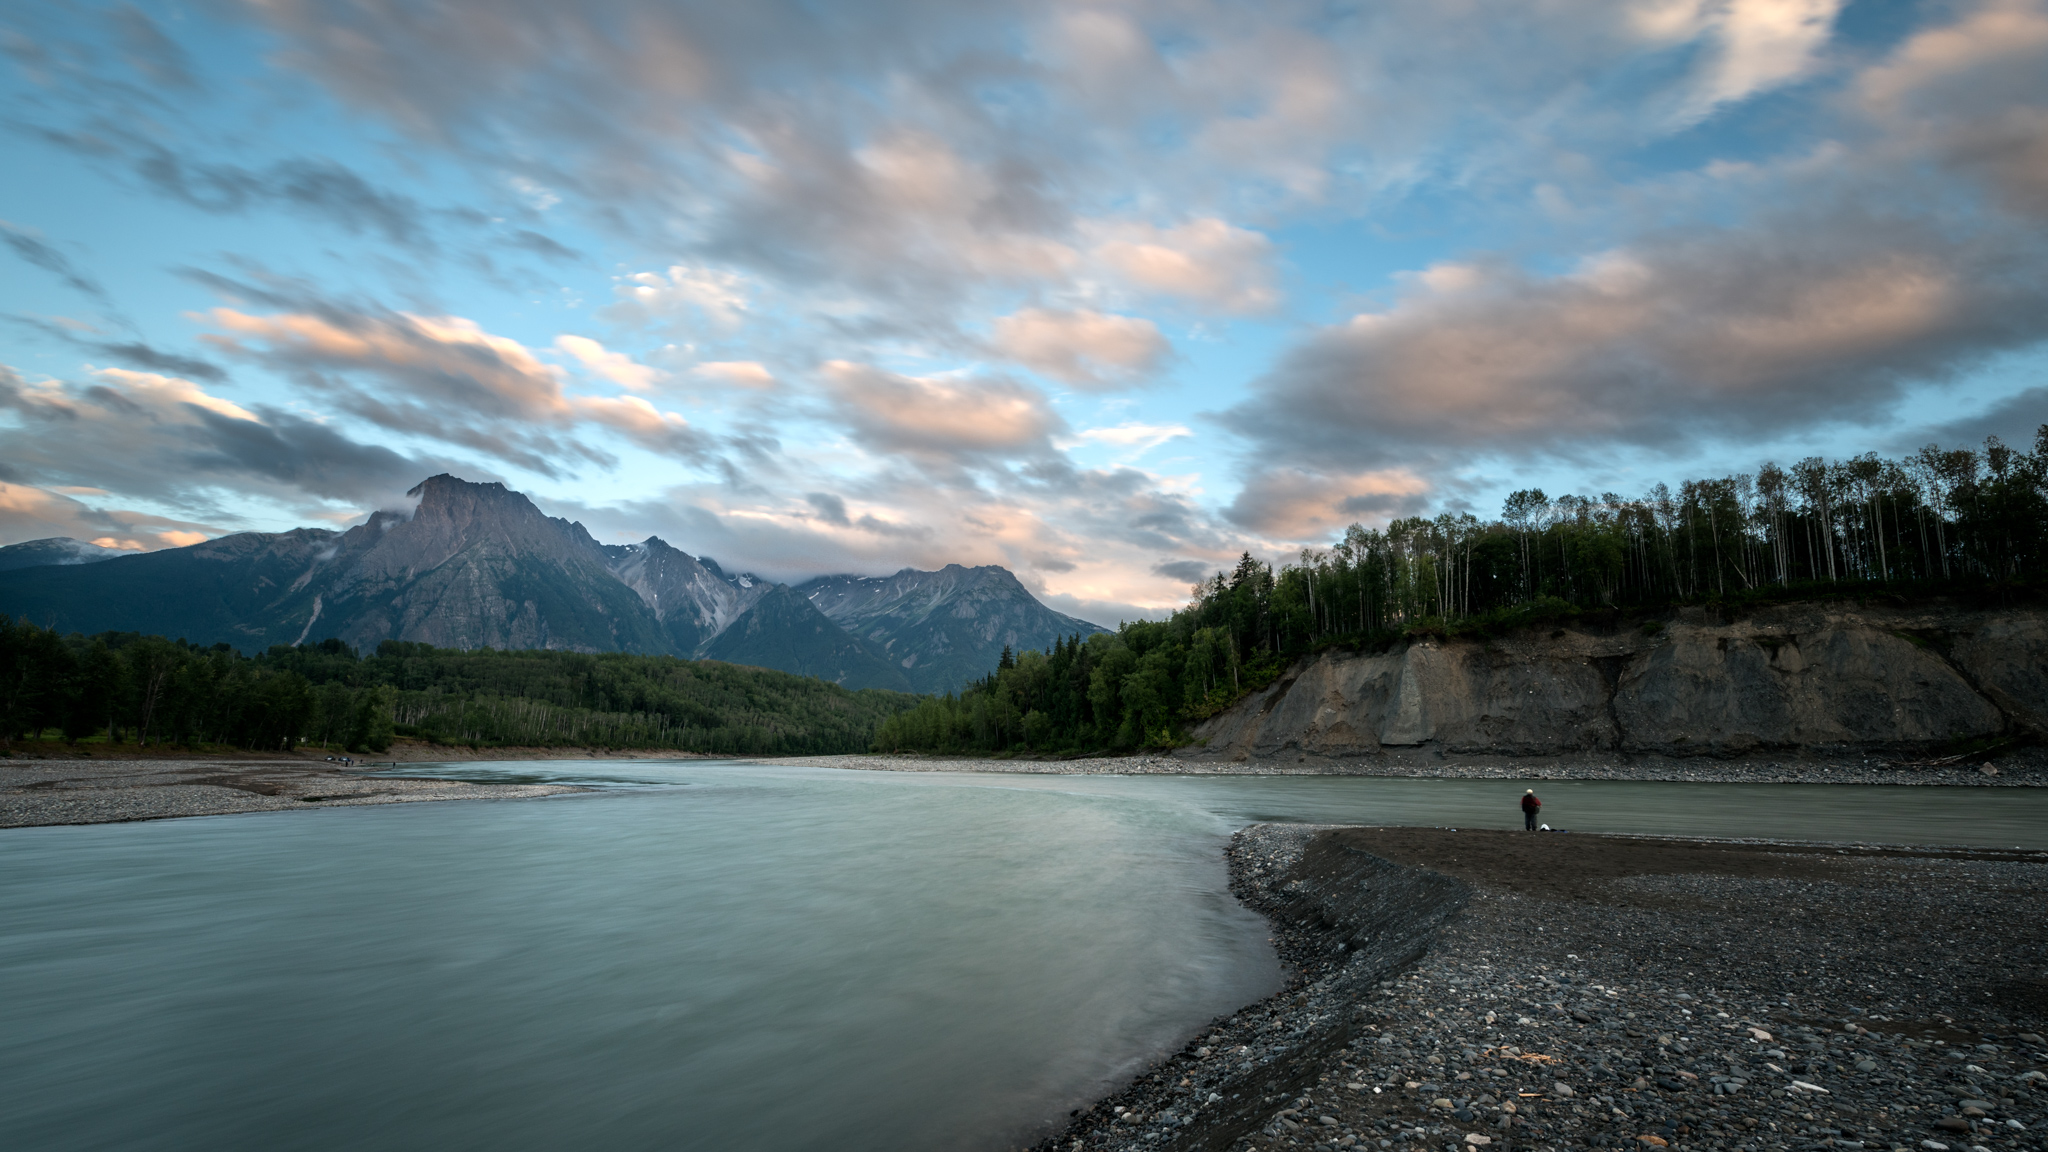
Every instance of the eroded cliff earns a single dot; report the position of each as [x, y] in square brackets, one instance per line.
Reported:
[1833, 677]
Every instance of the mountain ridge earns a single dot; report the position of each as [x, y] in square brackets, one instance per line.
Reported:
[943, 627]
[476, 565]
[54, 550]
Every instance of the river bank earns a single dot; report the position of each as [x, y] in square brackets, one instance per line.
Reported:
[39, 792]
[2022, 767]
[400, 752]
[1457, 990]
[2018, 770]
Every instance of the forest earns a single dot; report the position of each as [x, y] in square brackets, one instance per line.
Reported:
[126, 689]
[1943, 521]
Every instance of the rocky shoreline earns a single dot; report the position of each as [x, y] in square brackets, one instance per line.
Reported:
[42, 792]
[1463, 990]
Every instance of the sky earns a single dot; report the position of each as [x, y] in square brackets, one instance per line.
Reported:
[1107, 293]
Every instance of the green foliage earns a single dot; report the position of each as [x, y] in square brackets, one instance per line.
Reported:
[1134, 688]
[123, 688]
[1940, 522]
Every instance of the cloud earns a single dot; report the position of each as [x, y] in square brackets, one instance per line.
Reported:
[616, 367]
[957, 419]
[663, 432]
[1132, 434]
[1206, 261]
[137, 353]
[1748, 46]
[314, 459]
[738, 373]
[1971, 93]
[31, 513]
[541, 245]
[149, 51]
[1788, 321]
[830, 508]
[1185, 571]
[163, 392]
[679, 300]
[321, 188]
[144, 436]
[36, 251]
[1828, 288]
[442, 377]
[447, 378]
[2015, 419]
[1303, 505]
[1081, 347]
[447, 360]
[905, 215]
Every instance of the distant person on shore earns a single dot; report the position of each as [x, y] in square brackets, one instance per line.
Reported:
[1529, 806]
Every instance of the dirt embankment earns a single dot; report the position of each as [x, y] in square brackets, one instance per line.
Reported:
[1597, 992]
[1838, 680]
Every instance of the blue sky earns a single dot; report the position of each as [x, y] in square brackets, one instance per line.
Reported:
[1102, 292]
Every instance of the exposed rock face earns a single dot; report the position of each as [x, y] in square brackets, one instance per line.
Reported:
[477, 566]
[943, 628]
[1835, 677]
[694, 599]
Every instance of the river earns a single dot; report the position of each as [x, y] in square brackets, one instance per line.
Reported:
[707, 955]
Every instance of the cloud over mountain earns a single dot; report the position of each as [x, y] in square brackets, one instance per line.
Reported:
[1104, 294]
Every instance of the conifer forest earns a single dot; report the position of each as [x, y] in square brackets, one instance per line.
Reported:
[1942, 521]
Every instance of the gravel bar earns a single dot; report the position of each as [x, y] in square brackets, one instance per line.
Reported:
[1517, 992]
[39, 792]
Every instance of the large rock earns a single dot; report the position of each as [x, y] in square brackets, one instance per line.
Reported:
[1784, 678]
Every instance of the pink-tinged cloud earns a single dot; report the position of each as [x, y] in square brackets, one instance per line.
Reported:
[616, 367]
[28, 512]
[438, 358]
[447, 378]
[640, 421]
[1206, 262]
[955, 418]
[747, 374]
[1301, 505]
[1082, 347]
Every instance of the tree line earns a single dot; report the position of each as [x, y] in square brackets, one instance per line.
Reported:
[1939, 520]
[128, 689]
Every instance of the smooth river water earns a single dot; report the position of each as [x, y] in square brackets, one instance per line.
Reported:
[708, 955]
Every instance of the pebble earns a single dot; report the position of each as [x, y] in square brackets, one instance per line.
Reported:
[1698, 1013]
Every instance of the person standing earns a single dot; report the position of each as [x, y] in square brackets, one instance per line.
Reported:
[1529, 806]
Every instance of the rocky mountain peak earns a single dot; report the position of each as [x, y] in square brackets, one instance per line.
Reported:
[456, 516]
[478, 565]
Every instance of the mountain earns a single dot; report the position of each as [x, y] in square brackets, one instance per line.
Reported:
[54, 550]
[783, 630]
[478, 566]
[474, 566]
[222, 590]
[942, 628]
[693, 598]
